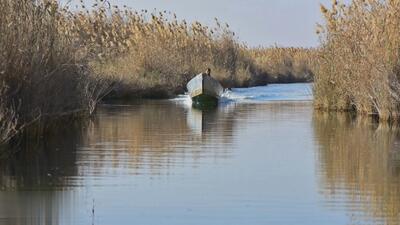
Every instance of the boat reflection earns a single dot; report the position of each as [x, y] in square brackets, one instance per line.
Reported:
[212, 121]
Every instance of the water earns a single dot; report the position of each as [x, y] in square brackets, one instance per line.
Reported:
[262, 157]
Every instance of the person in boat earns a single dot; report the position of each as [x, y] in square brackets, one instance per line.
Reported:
[208, 72]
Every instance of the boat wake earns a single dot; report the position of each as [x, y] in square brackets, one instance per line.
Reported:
[264, 94]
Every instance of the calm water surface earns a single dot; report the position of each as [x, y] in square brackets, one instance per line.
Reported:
[262, 157]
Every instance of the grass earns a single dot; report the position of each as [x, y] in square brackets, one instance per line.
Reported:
[358, 62]
[60, 62]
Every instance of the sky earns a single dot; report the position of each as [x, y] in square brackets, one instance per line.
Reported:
[285, 23]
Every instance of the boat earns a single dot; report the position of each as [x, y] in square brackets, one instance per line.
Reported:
[204, 90]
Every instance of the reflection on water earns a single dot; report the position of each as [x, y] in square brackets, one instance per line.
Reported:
[153, 136]
[30, 180]
[359, 166]
[154, 162]
[42, 163]
[254, 161]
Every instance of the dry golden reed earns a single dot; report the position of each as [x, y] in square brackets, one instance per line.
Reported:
[43, 65]
[161, 53]
[358, 64]
[285, 65]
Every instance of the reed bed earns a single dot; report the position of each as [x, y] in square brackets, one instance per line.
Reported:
[285, 65]
[44, 70]
[160, 54]
[164, 53]
[358, 63]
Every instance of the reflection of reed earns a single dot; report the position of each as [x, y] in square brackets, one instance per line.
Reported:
[31, 180]
[147, 125]
[156, 135]
[359, 161]
[150, 136]
[37, 208]
[42, 161]
[144, 139]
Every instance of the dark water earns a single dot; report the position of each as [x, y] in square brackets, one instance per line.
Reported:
[262, 157]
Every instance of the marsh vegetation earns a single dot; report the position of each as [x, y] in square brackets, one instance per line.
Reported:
[358, 61]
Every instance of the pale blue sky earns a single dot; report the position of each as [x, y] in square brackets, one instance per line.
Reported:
[257, 22]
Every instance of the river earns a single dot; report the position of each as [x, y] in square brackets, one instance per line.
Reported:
[264, 156]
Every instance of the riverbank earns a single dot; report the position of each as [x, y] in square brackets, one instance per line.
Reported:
[56, 62]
